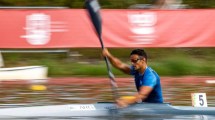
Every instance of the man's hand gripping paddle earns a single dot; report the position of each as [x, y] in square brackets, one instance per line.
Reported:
[93, 8]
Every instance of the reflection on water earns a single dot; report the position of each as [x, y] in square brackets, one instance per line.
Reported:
[90, 90]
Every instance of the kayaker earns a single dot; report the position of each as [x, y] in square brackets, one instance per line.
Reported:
[147, 81]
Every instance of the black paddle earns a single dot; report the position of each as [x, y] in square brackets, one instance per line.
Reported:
[93, 8]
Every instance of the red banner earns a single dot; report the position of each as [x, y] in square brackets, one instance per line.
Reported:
[71, 28]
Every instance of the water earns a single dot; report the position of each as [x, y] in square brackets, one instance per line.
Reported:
[176, 90]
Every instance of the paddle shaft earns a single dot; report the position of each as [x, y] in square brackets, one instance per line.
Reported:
[110, 74]
[93, 8]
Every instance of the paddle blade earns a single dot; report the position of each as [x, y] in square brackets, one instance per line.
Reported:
[93, 8]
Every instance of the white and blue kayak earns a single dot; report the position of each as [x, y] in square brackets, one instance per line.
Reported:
[104, 109]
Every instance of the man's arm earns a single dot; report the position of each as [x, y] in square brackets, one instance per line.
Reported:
[116, 62]
[144, 92]
[142, 95]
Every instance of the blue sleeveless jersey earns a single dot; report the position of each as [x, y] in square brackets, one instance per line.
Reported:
[149, 78]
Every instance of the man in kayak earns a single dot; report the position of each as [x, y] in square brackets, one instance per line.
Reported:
[147, 81]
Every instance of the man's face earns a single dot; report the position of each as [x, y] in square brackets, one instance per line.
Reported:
[137, 61]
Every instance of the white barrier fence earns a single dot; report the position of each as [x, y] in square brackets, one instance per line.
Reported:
[24, 73]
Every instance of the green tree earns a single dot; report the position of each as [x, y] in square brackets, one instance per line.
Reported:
[108, 4]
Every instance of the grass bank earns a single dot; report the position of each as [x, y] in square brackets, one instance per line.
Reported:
[89, 62]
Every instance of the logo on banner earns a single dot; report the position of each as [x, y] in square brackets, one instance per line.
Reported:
[142, 25]
[39, 28]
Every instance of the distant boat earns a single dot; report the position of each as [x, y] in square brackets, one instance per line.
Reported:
[24, 73]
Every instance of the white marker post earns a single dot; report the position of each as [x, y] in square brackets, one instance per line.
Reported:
[199, 100]
[1, 60]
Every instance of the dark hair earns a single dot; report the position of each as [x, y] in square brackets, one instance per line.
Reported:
[139, 52]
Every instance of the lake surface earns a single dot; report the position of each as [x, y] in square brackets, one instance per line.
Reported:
[176, 90]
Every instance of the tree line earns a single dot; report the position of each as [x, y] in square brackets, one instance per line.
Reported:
[107, 4]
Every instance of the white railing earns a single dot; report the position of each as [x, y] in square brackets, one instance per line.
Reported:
[24, 73]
